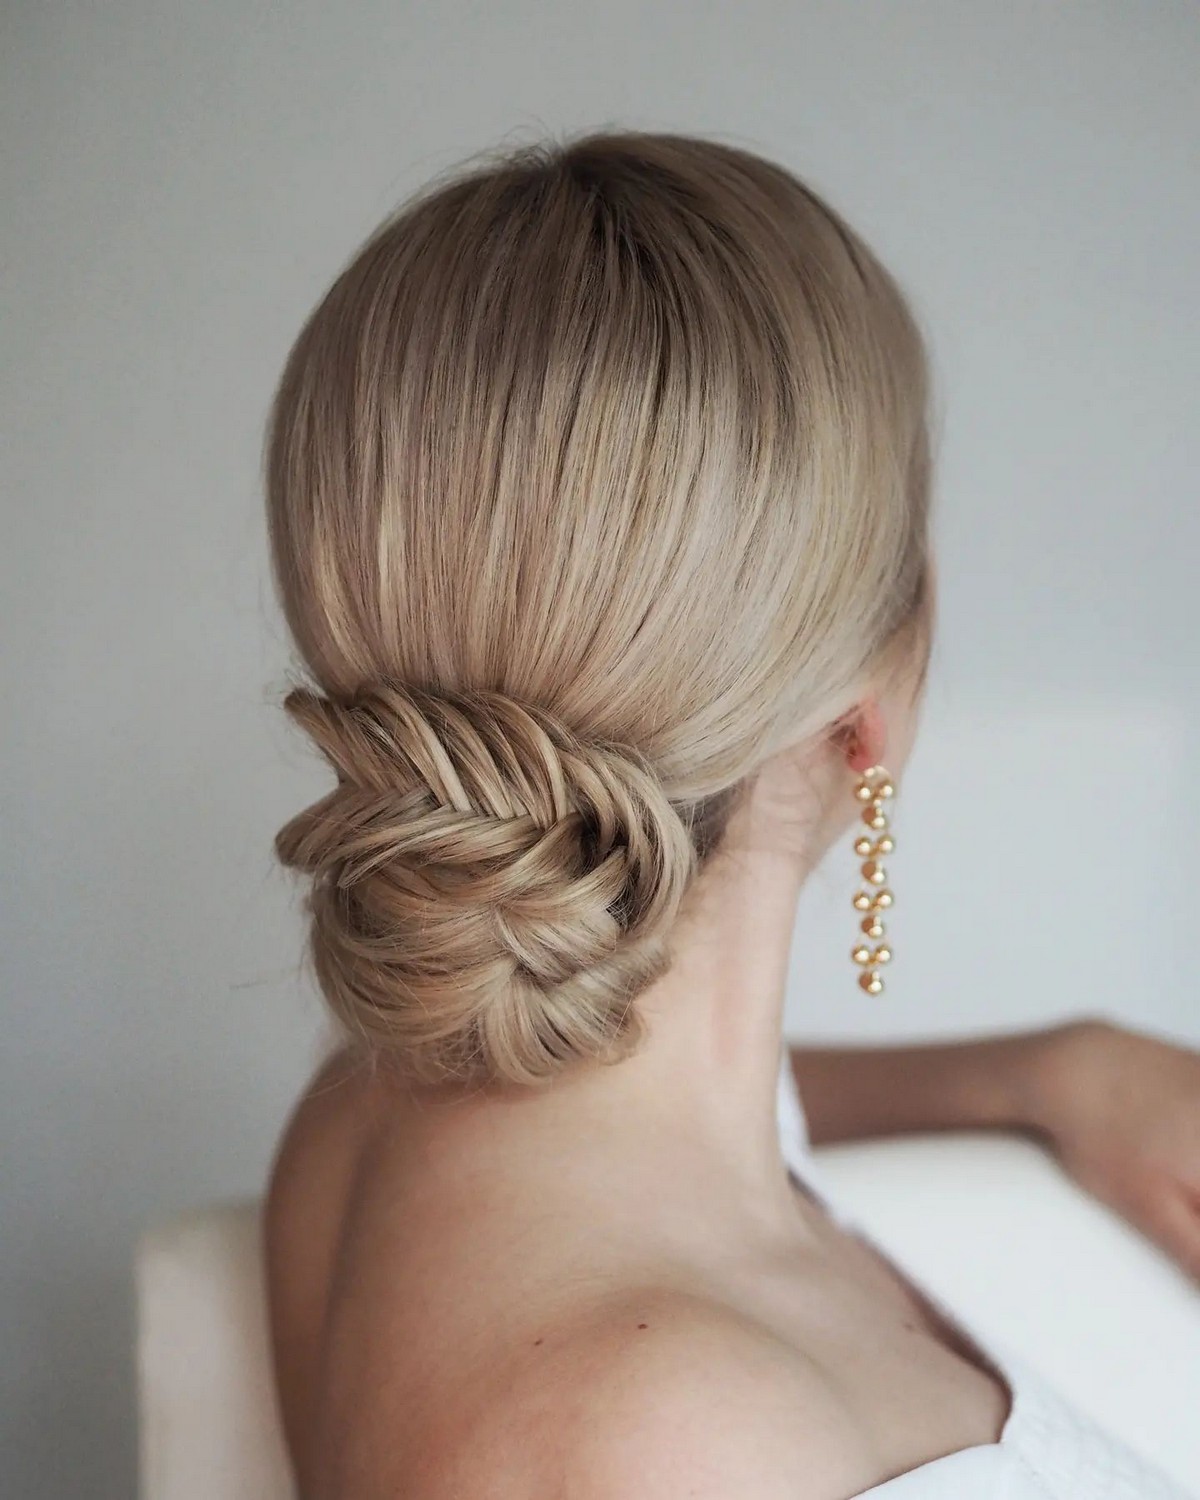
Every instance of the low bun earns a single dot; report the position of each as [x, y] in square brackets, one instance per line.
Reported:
[490, 891]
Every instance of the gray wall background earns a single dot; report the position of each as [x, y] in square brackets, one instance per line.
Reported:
[179, 183]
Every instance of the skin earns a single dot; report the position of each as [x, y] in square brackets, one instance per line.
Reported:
[610, 1287]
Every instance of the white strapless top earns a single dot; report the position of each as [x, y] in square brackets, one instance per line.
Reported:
[1047, 1449]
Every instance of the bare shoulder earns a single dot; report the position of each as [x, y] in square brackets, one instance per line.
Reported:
[330, 1112]
[316, 1153]
[671, 1396]
[307, 1193]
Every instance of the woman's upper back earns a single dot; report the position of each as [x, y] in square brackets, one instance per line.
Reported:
[426, 1351]
[411, 1349]
[444, 1331]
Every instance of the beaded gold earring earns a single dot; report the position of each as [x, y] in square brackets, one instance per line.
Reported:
[873, 898]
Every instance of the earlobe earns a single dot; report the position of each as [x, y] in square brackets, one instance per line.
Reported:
[862, 736]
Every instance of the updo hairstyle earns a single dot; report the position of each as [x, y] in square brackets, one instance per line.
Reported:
[600, 474]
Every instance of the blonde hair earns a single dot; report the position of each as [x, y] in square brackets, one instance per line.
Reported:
[599, 475]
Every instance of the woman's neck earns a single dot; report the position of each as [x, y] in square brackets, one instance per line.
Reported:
[710, 1060]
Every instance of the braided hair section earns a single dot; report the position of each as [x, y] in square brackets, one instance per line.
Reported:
[490, 891]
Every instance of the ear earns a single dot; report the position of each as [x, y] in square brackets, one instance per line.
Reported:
[861, 736]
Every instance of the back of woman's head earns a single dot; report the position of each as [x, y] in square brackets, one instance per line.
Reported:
[598, 476]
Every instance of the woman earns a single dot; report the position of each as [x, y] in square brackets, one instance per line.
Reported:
[598, 492]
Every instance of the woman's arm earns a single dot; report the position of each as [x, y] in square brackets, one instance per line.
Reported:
[853, 1092]
[1120, 1109]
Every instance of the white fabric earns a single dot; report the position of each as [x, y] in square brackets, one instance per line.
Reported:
[208, 1426]
[985, 1219]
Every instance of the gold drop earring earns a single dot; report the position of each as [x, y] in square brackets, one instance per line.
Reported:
[873, 898]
